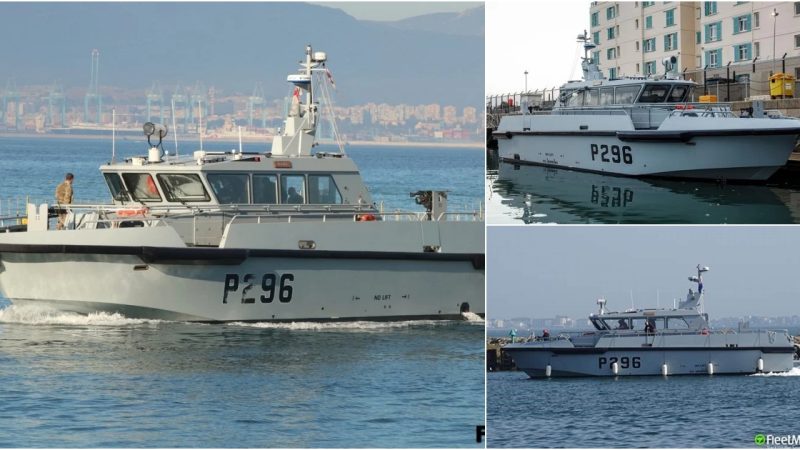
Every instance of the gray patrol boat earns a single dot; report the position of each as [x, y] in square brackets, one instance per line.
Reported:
[284, 235]
[656, 342]
[646, 126]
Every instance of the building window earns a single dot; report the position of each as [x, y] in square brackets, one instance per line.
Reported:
[596, 37]
[596, 57]
[595, 19]
[636, 21]
[710, 8]
[649, 67]
[796, 8]
[610, 13]
[713, 32]
[756, 49]
[670, 17]
[670, 41]
[649, 45]
[637, 46]
[742, 52]
[637, 68]
[699, 36]
[646, 4]
[741, 24]
[612, 72]
[611, 53]
[611, 33]
[797, 41]
[648, 22]
[714, 58]
[756, 17]
[796, 73]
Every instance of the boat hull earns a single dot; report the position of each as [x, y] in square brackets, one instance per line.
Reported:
[735, 157]
[239, 285]
[685, 361]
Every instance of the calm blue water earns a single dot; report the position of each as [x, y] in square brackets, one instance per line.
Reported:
[108, 381]
[642, 412]
[526, 194]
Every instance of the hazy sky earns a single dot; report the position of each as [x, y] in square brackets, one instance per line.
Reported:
[396, 10]
[548, 270]
[537, 36]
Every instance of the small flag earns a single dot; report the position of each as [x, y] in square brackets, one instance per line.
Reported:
[330, 77]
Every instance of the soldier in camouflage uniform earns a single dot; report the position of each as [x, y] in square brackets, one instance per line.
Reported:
[64, 196]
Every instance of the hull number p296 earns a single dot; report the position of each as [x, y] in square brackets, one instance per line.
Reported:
[613, 154]
[270, 284]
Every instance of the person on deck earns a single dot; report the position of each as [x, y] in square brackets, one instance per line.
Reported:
[64, 196]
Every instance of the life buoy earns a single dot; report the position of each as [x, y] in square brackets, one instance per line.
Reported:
[704, 331]
[132, 212]
[366, 218]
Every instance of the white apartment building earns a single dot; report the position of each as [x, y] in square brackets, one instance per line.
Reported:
[634, 37]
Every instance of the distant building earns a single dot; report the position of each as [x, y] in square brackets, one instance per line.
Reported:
[634, 37]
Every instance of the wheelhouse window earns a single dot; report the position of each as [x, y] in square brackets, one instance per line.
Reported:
[183, 187]
[678, 94]
[575, 98]
[142, 187]
[265, 189]
[114, 183]
[607, 96]
[293, 189]
[654, 93]
[591, 97]
[322, 190]
[230, 188]
[677, 323]
[625, 95]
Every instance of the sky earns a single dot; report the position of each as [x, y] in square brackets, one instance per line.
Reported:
[534, 35]
[390, 11]
[545, 271]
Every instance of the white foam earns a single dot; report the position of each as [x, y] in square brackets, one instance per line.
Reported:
[41, 315]
[795, 372]
[472, 317]
[363, 326]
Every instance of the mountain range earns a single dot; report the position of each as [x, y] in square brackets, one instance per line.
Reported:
[233, 46]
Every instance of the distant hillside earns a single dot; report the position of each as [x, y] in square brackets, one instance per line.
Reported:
[468, 23]
[234, 45]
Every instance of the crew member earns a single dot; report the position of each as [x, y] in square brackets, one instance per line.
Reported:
[64, 196]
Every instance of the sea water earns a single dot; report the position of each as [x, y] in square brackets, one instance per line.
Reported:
[103, 380]
[528, 194]
[643, 412]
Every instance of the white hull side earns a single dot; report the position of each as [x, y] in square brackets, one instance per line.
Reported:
[752, 158]
[679, 362]
[321, 288]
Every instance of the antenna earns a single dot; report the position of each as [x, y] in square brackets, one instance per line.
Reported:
[174, 128]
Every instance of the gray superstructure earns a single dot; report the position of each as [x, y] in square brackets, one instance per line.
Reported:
[641, 126]
[283, 235]
[656, 342]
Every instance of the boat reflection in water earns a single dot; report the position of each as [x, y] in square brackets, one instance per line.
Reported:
[536, 194]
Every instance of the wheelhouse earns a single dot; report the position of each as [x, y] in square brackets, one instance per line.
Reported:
[626, 94]
[322, 181]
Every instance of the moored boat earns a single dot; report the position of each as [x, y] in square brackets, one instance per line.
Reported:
[646, 126]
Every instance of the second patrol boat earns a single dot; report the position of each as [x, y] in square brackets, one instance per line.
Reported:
[646, 126]
[656, 342]
[284, 235]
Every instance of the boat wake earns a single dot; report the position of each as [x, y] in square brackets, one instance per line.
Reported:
[472, 317]
[38, 315]
[359, 326]
[795, 372]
